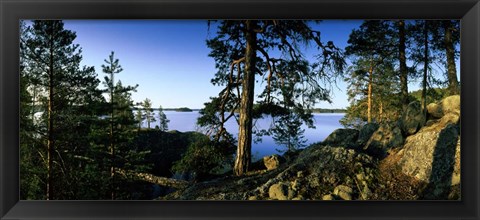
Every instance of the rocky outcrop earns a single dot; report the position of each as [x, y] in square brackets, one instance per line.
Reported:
[342, 138]
[382, 165]
[387, 136]
[432, 155]
[315, 172]
[413, 118]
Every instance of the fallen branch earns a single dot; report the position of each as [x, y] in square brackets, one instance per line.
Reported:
[163, 181]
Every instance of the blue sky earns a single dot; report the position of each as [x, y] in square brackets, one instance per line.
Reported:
[169, 60]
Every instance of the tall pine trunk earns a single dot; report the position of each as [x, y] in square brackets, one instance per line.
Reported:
[244, 149]
[369, 95]
[403, 64]
[425, 69]
[453, 87]
[112, 141]
[50, 141]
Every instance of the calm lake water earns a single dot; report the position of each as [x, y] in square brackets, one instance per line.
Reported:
[325, 124]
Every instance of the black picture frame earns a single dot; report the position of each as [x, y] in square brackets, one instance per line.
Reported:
[11, 11]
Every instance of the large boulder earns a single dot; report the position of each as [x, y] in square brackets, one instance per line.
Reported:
[433, 156]
[413, 118]
[272, 162]
[434, 110]
[342, 137]
[280, 191]
[387, 136]
[365, 133]
[449, 105]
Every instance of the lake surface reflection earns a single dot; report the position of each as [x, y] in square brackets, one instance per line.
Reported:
[325, 124]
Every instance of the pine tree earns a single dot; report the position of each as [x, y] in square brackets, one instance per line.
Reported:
[445, 39]
[148, 111]
[387, 102]
[31, 163]
[451, 38]
[402, 58]
[244, 50]
[289, 133]
[423, 55]
[371, 43]
[139, 117]
[68, 98]
[163, 121]
[121, 120]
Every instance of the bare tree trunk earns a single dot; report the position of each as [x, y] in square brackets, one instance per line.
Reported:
[425, 69]
[50, 141]
[453, 87]
[369, 104]
[403, 64]
[243, 158]
[380, 111]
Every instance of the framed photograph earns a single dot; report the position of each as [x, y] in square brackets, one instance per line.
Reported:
[237, 109]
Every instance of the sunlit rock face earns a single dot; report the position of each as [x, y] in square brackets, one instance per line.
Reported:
[449, 105]
[432, 155]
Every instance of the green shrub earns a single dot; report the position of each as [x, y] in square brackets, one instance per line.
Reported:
[205, 157]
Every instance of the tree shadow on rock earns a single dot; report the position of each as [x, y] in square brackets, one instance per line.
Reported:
[439, 185]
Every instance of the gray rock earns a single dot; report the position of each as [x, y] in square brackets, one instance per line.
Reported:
[433, 156]
[328, 197]
[280, 191]
[342, 188]
[434, 110]
[342, 137]
[365, 133]
[384, 138]
[450, 104]
[413, 118]
[343, 192]
[272, 162]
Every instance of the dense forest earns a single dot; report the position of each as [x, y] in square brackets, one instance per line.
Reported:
[81, 133]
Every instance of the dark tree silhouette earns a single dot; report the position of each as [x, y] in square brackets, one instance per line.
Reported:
[266, 50]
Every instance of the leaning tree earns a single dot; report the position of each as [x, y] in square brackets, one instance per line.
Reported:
[247, 52]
